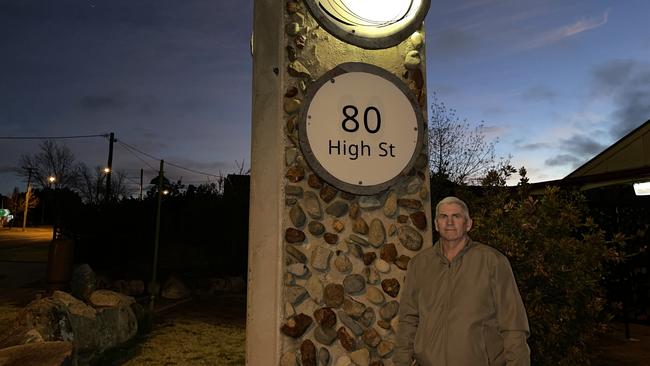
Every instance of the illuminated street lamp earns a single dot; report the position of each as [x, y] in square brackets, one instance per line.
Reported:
[371, 24]
[107, 170]
[165, 192]
[51, 179]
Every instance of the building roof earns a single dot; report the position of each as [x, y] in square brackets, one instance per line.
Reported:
[625, 161]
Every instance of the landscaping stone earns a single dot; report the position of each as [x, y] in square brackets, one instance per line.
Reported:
[173, 289]
[374, 295]
[342, 263]
[382, 266]
[388, 253]
[369, 257]
[354, 283]
[352, 324]
[294, 236]
[296, 326]
[312, 206]
[297, 216]
[410, 204]
[371, 337]
[324, 356]
[296, 254]
[331, 238]
[295, 174]
[315, 228]
[402, 262]
[324, 335]
[377, 233]
[361, 357]
[369, 203]
[360, 226]
[391, 286]
[410, 238]
[353, 308]
[389, 310]
[320, 258]
[390, 206]
[296, 294]
[327, 193]
[325, 317]
[419, 220]
[347, 341]
[333, 295]
[337, 209]
[308, 353]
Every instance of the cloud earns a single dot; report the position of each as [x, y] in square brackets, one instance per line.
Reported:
[582, 145]
[535, 146]
[627, 83]
[563, 159]
[567, 31]
[578, 27]
[539, 93]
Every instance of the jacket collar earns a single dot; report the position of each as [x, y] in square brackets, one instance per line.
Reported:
[470, 244]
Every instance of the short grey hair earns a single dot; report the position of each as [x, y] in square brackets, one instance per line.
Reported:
[455, 200]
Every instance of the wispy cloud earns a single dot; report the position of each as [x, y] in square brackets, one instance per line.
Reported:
[567, 31]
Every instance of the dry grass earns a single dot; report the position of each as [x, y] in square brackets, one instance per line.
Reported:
[206, 331]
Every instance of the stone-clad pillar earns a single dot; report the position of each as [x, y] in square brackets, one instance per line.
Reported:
[325, 266]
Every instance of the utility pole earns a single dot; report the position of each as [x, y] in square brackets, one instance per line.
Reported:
[153, 286]
[109, 166]
[141, 175]
[29, 191]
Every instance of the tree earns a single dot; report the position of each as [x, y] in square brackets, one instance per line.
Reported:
[559, 257]
[52, 160]
[17, 202]
[92, 185]
[457, 152]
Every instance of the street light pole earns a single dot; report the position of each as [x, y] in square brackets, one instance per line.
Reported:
[29, 190]
[153, 286]
[109, 167]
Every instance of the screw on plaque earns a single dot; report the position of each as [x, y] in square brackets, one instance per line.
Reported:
[415, 128]
[360, 182]
[332, 80]
[308, 116]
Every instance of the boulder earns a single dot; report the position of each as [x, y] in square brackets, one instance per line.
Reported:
[56, 353]
[174, 289]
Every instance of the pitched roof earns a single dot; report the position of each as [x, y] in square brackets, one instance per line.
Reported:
[625, 161]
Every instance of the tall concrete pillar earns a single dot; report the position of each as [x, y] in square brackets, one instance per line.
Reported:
[327, 257]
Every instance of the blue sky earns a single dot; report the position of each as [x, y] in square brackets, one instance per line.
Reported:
[554, 81]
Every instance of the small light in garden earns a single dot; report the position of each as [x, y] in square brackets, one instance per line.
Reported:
[165, 192]
[51, 179]
[642, 189]
[107, 170]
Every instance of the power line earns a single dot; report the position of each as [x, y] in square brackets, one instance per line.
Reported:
[168, 162]
[127, 148]
[49, 137]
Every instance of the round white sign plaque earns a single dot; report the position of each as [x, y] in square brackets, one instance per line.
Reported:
[360, 128]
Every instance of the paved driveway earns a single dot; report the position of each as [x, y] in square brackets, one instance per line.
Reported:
[23, 256]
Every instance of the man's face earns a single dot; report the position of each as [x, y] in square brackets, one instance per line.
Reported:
[451, 222]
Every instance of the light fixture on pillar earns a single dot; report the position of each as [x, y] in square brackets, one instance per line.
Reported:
[642, 189]
[371, 24]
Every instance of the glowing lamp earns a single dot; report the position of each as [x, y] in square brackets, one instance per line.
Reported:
[642, 189]
[107, 170]
[371, 24]
[51, 179]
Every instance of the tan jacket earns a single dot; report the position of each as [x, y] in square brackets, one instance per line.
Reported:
[464, 313]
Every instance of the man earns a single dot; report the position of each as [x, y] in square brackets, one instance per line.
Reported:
[460, 305]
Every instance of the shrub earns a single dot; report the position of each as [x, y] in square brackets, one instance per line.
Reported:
[557, 254]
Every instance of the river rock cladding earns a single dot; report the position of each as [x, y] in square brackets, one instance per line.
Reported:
[345, 255]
